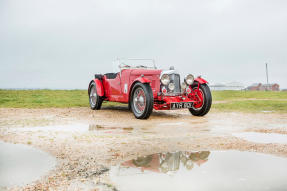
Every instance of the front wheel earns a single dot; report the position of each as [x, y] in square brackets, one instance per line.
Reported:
[203, 98]
[141, 100]
[94, 99]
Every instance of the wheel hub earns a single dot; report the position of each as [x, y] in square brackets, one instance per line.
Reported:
[139, 100]
[200, 99]
[93, 96]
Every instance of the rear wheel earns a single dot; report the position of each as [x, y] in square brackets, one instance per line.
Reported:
[141, 100]
[94, 99]
[203, 98]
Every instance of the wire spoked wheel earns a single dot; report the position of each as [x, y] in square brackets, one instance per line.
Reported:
[94, 99]
[93, 96]
[203, 100]
[141, 100]
[200, 99]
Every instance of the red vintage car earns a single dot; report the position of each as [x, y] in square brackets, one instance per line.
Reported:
[144, 88]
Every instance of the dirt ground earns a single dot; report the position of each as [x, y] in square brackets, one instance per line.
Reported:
[86, 143]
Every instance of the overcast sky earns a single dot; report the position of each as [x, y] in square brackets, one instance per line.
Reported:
[62, 43]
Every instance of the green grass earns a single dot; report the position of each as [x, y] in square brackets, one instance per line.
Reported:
[233, 95]
[43, 98]
[250, 101]
[252, 106]
[235, 100]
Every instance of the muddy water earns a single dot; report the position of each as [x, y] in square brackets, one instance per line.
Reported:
[262, 137]
[21, 164]
[218, 170]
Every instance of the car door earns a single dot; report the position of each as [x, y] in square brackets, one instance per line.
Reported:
[114, 88]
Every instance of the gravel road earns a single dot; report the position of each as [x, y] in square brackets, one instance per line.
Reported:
[86, 143]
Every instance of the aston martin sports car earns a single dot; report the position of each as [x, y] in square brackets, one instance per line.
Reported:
[144, 88]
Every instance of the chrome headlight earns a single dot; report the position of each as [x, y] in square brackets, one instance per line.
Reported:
[165, 79]
[189, 79]
[171, 86]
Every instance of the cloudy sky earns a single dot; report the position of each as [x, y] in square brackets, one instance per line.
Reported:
[62, 43]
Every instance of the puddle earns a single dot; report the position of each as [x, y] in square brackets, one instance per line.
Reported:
[58, 128]
[262, 137]
[73, 128]
[21, 164]
[220, 130]
[282, 126]
[218, 170]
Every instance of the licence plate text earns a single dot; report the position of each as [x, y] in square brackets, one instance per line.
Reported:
[181, 105]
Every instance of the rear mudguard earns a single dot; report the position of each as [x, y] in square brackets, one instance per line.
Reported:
[99, 86]
[200, 80]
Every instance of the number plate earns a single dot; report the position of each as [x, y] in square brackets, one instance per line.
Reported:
[181, 105]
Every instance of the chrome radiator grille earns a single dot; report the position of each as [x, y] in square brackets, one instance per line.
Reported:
[175, 78]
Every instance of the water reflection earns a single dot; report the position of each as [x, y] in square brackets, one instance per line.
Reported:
[168, 162]
[219, 170]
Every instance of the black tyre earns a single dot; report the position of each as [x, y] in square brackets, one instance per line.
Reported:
[141, 100]
[203, 106]
[94, 99]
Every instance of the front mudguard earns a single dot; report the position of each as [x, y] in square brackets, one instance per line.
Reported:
[142, 80]
[99, 86]
[200, 80]
[197, 82]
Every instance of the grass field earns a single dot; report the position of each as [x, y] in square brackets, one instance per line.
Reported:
[233, 95]
[245, 101]
[43, 98]
[250, 101]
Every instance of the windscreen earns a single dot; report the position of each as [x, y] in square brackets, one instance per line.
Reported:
[136, 63]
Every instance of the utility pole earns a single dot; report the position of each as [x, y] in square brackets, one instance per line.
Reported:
[267, 74]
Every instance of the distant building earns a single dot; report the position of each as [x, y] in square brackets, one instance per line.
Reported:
[263, 87]
[271, 87]
[227, 86]
[254, 87]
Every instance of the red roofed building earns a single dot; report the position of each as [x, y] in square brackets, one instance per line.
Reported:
[263, 87]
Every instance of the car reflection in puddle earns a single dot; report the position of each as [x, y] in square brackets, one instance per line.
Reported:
[219, 170]
[168, 162]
